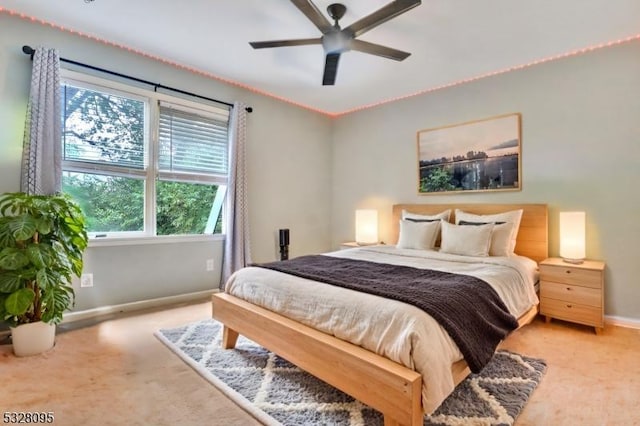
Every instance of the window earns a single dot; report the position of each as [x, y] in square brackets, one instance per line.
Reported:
[141, 163]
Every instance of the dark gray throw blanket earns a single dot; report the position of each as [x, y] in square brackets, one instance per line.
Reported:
[467, 307]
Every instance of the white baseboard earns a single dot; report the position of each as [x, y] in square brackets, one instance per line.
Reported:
[129, 307]
[622, 321]
[136, 306]
[201, 295]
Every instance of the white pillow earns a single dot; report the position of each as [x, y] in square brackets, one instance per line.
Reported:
[418, 235]
[425, 217]
[466, 240]
[513, 217]
[500, 238]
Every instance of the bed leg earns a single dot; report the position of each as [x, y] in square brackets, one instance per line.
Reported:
[229, 338]
[390, 421]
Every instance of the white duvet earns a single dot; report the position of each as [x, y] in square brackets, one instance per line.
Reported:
[395, 330]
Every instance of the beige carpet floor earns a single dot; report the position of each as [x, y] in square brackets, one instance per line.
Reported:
[117, 373]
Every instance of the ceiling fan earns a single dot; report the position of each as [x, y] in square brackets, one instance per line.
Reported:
[336, 40]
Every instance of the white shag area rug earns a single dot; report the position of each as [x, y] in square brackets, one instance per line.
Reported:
[277, 392]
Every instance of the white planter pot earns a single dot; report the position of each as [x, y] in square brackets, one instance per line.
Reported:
[33, 338]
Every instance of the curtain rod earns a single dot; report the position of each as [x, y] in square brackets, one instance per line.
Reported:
[30, 51]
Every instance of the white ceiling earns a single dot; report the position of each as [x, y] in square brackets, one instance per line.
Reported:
[450, 40]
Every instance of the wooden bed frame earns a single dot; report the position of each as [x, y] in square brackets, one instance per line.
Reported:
[391, 388]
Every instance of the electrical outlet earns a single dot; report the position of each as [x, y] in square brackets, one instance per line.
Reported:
[209, 264]
[86, 280]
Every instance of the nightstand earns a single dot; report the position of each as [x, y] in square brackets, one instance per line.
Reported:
[573, 292]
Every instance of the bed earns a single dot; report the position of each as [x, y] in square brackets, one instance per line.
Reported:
[391, 386]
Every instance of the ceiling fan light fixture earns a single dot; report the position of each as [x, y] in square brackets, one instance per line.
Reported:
[336, 42]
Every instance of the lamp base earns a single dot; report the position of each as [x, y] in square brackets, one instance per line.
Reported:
[573, 261]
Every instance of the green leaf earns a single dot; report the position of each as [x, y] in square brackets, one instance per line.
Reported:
[55, 301]
[77, 265]
[6, 236]
[9, 202]
[39, 254]
[3, 309]
[13, 259]
[10, 281]
[19, 301]
[44, 225]
[48, 278]
[23, 227]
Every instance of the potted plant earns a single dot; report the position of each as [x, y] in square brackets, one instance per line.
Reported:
[42, 240]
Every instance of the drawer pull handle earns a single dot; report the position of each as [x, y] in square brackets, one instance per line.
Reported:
[569, 306]
[568, 288]
[568, 271]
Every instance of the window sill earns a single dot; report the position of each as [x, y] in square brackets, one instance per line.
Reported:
[165, 239]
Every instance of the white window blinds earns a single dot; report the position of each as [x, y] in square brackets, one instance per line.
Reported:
[192, 142]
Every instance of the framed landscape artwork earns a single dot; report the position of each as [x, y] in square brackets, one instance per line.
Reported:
[481, 155]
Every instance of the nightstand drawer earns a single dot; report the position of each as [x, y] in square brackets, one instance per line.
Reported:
[571, 293]
[572, 275]
[574, 312]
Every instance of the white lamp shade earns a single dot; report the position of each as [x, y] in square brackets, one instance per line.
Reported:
[366, 226]
[572, 236]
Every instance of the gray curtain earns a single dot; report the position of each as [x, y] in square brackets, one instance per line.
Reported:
[237, 242]
[42, 149]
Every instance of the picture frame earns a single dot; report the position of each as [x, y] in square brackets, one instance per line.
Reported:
[475, 156]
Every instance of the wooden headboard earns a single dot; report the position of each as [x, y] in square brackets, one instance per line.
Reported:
[533, 235]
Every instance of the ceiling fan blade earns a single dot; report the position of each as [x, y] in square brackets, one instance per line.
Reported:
[313, 13]
[281, 43]
[379, 50]
[380, 16]
[330, 69]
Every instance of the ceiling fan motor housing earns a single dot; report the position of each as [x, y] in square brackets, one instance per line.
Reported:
[336, 11]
